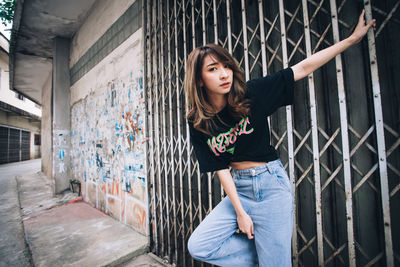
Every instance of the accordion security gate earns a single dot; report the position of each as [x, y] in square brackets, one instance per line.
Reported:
[14, 145]
[339, 142]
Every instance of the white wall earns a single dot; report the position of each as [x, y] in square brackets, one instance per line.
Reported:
[103, 14]
[107, 122]
[6, 95]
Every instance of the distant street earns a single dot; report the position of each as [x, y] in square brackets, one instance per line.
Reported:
[13, 251]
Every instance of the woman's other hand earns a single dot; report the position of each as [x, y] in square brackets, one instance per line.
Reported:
[246, 225]
[361, 29]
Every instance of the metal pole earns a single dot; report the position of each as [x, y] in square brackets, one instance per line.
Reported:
[151, 137]
[216, 42]
[157, 122]
[215, 22]
[228, 22]
[193, 27]
[262, 37]
[178, 117]
[203, 25]
[163, 125]
[203, 21]
[245, 46]
[289, 127]
[199, 205]
[315, 149]
[380, 137]
[171, 131]
[345, 139]
[263, 50]
[189, 169]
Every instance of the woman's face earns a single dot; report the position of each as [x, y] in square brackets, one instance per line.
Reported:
[216, 77]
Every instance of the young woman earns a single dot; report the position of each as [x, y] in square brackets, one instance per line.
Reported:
[228, 127]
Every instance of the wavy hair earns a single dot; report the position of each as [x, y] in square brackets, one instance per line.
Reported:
[200, 112]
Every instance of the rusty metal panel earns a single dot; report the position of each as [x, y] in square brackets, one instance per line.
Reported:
[339, 142]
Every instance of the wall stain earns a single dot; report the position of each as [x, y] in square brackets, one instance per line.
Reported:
[108, 141]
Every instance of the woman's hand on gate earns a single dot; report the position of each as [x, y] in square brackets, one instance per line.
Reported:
[313, 62]
[361, 29]
[246, 225]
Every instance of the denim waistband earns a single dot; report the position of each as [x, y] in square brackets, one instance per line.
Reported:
[256, 170]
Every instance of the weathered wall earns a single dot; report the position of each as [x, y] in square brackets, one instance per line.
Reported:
[4, 80]
[61, 114]
[34, 150]
[46, 136]
[107, 124]
[10, 97]
[103, 14]
[16, 121]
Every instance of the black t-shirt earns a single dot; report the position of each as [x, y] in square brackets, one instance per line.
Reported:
[248, 138]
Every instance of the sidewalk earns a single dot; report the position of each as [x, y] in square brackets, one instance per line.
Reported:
[65, 231]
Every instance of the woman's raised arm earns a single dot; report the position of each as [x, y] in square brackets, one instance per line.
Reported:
[310, 64]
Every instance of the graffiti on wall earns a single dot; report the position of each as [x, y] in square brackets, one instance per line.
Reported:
[107, 139]
[60, 141]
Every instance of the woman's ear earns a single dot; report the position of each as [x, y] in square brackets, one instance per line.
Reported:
[201, 83]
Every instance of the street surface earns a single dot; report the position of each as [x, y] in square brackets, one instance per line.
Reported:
[60, 223]
[13, 249]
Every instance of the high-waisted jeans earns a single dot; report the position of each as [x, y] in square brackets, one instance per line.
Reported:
[266, 195]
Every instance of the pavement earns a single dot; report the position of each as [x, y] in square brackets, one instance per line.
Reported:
[42, 229]
[13, 249]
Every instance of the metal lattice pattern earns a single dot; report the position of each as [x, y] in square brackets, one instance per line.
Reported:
[339, 142]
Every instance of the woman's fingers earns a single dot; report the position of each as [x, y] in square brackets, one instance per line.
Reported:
[362, 21]
[372, 23]
[249, 236]
[250, 233]
[361, 29]
[361, 18]
[246, 225]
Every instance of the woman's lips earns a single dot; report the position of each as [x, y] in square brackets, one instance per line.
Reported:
[226, 84]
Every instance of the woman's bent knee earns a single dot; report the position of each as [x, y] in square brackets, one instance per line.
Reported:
[196, 248]
[191, 246]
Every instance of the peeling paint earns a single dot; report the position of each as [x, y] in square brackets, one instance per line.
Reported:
[107, 142]
[60, 141]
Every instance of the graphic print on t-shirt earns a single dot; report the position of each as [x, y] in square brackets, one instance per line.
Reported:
[220, 143]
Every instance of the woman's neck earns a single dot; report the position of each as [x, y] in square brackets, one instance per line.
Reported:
[218, 102]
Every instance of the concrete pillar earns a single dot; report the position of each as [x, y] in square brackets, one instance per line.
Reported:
[61, 114]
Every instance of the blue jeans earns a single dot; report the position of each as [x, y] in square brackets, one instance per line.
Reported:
[266, 195]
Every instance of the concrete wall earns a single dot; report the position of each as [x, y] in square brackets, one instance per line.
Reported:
[10, 97]
[107, 122]
[17, 121]
[46, 136]
[103, 14]
[34, 149]
[61, 122]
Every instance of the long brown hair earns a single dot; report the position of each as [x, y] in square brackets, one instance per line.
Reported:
[200, 111]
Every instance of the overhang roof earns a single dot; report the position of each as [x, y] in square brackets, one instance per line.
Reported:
[17, 111]
[36, 24]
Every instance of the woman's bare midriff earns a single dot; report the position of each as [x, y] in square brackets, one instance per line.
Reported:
[245, 164]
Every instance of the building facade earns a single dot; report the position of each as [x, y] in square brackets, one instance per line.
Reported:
[19, 117]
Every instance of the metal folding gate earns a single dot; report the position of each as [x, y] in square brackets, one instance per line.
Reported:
[14, 145]
[339, 142]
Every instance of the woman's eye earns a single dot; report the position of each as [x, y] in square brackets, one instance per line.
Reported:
[212, 69]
